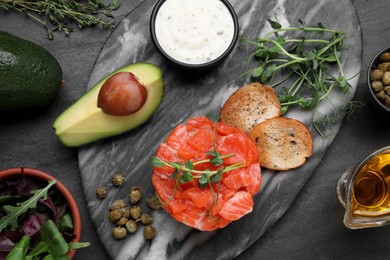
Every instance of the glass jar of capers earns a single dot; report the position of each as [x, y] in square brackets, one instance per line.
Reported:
[380, 78]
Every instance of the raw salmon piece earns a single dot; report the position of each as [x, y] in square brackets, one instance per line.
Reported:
[202, 141]
[237, 179]
[239, 145]
[248, 178]
[200, 197]
[209, 223]
[167, 154]
[227, 130]
[178, 137]
[200, 122]
[216, 206]
[238, 206]
[192, 216]
[254, 171]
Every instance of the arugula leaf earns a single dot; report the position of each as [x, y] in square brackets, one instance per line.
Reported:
[14, 212]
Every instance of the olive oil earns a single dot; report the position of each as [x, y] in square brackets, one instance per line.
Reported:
[371, 187]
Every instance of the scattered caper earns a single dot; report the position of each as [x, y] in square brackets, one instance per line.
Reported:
[117, 204]
[153, 202]
[101, 192]
[119, 232]
[135, 194]
[135, 212]
[118, 179]
[131, 226]
[149, 232]
[125, 212]
[122, 221]
[376, 74]
[146, 219]
[115, 215]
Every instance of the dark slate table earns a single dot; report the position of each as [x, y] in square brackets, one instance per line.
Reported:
[311, 228]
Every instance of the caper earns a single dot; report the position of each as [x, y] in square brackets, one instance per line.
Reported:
[118, 179]
[101, 192]
[387, 101]
[135, 194]
[386, 78]
[153, 202]
[135, 212]
[386, 89]
[384, 66]
[122, 221]
[131, 226]
[381, 95]
[115, 215]
[385, 56]
[117, 204]
[149, 232]
[376, 74]
[119, 232]
[146, 219]
[377, 85]
[125, 212]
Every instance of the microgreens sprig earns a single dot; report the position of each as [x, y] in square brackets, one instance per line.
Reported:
[306, 58]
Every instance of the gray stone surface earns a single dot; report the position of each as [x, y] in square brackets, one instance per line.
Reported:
[311, 228]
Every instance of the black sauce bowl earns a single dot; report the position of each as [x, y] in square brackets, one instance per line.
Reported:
[372, 94]
[189, 66]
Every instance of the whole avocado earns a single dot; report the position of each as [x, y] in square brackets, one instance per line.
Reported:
[29, 75]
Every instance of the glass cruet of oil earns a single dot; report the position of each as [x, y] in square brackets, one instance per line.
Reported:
[364, 191]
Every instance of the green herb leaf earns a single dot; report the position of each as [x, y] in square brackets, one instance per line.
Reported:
[203, 181]
[157, 162]
[186, 177]
[19, 251]
[274, 24]
[14, 212]
[216, 177]
[268, 72]
[258, 71]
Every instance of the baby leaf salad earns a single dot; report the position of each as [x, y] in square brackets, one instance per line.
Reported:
[35, 222]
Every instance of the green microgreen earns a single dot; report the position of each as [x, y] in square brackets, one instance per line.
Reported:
[305, 54]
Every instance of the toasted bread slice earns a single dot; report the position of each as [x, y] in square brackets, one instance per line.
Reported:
[249, 106]
[283, 143]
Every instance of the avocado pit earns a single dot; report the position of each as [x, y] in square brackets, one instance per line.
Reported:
[122, 94]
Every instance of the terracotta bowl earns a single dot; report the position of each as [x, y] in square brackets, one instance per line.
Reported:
[40, 175]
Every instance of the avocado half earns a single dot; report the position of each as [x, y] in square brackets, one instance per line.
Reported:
[84, 122]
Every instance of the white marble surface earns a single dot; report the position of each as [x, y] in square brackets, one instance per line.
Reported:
[189, 95]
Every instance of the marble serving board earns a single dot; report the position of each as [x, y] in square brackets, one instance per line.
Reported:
[194, 94]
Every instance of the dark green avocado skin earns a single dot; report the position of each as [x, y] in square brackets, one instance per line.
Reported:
[30, 76]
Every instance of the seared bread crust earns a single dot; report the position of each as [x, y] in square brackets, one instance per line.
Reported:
[249, 106]
[283, 143]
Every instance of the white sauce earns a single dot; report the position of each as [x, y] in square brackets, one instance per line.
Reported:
[194, 31]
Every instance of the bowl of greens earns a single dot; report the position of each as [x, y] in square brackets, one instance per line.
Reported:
[39, 218]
